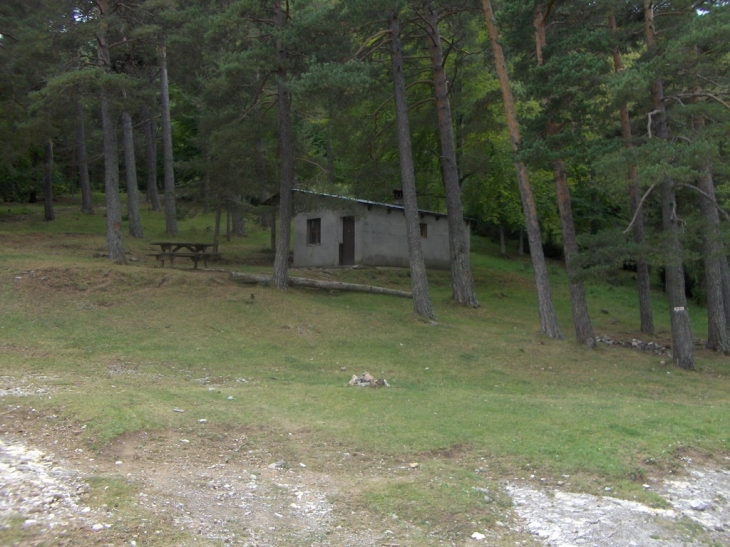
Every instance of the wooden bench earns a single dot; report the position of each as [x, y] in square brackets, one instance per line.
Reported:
[195, 257]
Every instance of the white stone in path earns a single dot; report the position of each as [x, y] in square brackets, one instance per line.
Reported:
[564, 519]
[34, 488]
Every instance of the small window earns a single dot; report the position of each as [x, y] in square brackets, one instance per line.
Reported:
[424, 230]
[314, 231]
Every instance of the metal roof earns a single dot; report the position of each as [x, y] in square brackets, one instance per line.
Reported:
[373, 203]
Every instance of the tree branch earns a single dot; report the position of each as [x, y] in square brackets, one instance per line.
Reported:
[547, 11]
[648, 124]
[638, 208]
[368, 43]
[325, 171]
[706, 195]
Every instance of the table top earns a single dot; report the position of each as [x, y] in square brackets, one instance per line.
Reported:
[176, 245]
[179, 243]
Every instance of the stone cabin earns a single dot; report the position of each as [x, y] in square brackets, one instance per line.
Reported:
[332, 231]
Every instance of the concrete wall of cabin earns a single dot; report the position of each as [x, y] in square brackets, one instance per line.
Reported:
[380, 238]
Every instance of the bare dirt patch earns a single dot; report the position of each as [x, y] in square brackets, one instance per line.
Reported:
[209, 486]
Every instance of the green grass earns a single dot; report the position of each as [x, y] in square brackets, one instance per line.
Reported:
[124, 345]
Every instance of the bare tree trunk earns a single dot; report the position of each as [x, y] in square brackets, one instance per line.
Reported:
[130, 172]
[682, 346]
[419, 281]
[206, 185]
[48, 213]
[167, 158]
[150, 143]
[712, 252]
[581, 320]
[228, 221]
[217, 230]
[502, 245]
[521, 249]
[272, 224]
[115, 244]
[462, 282]
[548, 318]
[642, 268]
[646, 315]
[330, 162]
[87, 205]
[286, 158]
[579, 306]
[725, 273]
[238, 225]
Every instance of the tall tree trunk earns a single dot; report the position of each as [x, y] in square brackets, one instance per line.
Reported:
[502, 245]
[272, 225]
[206, 184]
[578, 304]
[167, 158]
[238, 224]
[419, 281]
[48, 213]
[217, 230]
[581, 320]
[682, 346]
[642, 268]
[130, 171]
[115, 244]
[462, 282]
[87, 206]
[330, 161]
[286, 159]
[712, 252]
[521, 249]
[725, 273]
[548, 318]
[150, 145]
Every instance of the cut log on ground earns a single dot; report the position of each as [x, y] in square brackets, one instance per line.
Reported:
[316, 284]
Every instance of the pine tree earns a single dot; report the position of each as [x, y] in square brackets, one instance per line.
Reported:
[548, 318]
[462, 283]
[419, 281]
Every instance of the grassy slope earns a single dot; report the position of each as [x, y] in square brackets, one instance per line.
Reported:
[482, 386]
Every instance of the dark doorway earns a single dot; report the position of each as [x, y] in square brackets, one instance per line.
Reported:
[347, 247]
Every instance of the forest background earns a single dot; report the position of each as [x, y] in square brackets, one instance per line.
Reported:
[597, 130]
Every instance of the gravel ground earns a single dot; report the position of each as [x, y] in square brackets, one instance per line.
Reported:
[699, 514]
[269, 505]
[235, 493]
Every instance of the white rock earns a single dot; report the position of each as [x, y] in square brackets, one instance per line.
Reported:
[477, 536]
[698, 505]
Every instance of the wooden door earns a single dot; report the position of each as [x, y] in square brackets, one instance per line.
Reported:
[347, 247]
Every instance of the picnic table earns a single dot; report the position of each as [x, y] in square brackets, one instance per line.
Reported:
[170, 250]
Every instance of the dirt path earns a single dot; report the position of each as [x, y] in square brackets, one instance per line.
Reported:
[255, 504]
[166, 489]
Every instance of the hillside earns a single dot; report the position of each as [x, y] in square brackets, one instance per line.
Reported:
[166, 386]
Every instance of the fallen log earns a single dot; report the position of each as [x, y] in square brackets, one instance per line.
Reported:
[240, 277]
